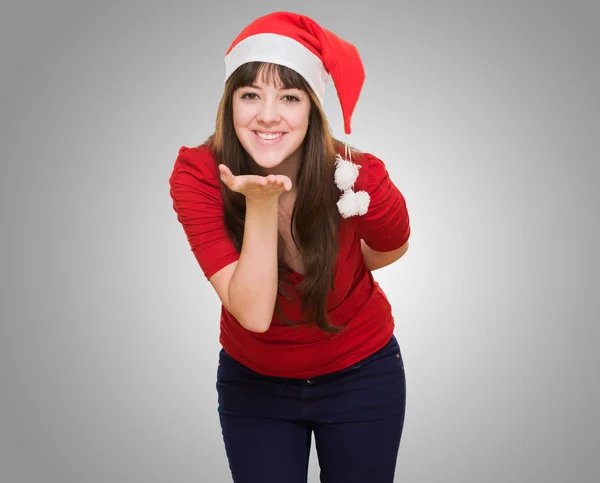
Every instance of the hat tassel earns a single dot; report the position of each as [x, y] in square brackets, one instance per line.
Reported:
[346, 172]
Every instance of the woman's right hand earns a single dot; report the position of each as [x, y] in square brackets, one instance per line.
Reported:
[256, 188]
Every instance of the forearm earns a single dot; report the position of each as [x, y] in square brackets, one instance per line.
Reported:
[253, 286]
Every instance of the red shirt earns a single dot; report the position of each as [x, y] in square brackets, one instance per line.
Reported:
[358, 303]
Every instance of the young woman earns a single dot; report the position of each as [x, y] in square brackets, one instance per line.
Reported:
[287, 224]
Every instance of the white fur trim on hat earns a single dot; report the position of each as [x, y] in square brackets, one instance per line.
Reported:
[279, 49]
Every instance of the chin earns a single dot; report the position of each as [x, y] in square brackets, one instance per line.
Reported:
[268, 160]
[268, 157]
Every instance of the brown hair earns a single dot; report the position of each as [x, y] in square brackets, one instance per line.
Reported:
[315, 217]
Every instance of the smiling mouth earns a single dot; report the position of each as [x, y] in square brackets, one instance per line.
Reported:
[269, 136]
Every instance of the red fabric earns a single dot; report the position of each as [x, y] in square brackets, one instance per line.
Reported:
[358, 303]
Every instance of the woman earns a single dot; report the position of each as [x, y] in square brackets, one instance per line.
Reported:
[287, 225]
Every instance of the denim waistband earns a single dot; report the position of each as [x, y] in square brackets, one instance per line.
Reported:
[391, 349]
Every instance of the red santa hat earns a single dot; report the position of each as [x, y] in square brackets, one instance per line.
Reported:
[300, 43]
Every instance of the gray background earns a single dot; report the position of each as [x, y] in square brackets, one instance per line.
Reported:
[487, 115]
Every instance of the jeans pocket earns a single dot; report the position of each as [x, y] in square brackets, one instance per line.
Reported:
[229, 369]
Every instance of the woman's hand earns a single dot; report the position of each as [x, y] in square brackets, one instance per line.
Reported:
[256, 188]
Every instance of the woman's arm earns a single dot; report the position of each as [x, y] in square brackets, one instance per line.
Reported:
[375, 260]
[248, 287]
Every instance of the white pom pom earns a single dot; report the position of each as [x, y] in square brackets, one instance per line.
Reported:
[346, 173]
[346, 204]
[362, 202]
[352, 203]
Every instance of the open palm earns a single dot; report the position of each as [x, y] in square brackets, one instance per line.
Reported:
[254, 186]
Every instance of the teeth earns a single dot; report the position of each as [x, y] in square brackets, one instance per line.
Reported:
[268, 136]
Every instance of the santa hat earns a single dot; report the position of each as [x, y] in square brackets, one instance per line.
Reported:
[298, 42]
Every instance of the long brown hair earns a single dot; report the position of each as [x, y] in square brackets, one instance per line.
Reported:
[315, 217]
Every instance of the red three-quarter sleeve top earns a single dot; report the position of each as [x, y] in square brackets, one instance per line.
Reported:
[358, 302]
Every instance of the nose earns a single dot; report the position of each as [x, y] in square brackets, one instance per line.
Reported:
[268, 112]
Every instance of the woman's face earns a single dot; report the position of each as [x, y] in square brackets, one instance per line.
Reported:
[270, 121]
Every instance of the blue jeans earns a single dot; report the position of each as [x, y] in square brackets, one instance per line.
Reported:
[356, 415]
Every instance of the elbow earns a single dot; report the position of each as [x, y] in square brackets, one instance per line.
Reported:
[253, 317]
[261, 329]
[253, 322]
[255, 326]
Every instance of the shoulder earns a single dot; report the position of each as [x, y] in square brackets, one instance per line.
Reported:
[372, 170]
[198, 162]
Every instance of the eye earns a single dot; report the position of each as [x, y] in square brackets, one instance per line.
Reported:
[249, 95]
[291, 98]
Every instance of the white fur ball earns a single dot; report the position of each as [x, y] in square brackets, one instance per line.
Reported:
[351, 203]
[346, 173]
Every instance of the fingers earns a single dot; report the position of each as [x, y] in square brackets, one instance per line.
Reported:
[244, 183]
[271, 181]
[280, 180]
[227, 177]
[287, 183]
[225, 173]
[283, 182]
